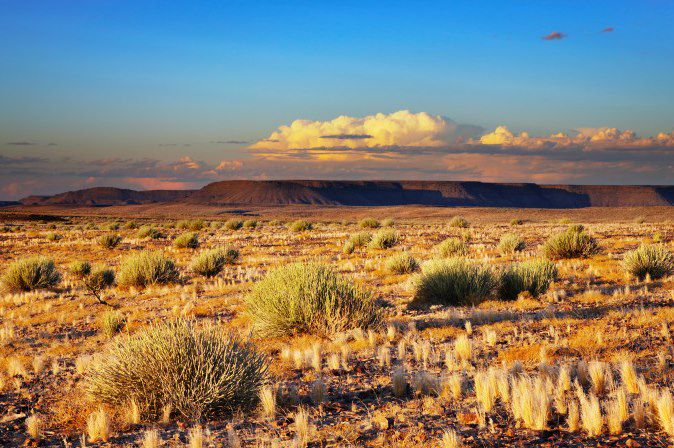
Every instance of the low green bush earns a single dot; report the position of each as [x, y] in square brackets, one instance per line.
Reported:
[532, 276]
[384, 239]
[570, 244]
[210, 263]
[29, 274]
[459, 222]
[452, 247]
[109, 241]
[187, 240]
[149, 232]
[402, 263]
[301, 226]
[233, 224]
[80, 269]
[369, 223]
[147, 268]
[652, 260]
[510, 243]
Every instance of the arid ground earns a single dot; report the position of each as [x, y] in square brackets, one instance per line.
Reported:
[586, 362]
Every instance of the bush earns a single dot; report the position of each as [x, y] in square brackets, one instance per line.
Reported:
[250, 224]
[459, 221]
[308, 298]
[149, 232]
[194, 224]
[80, 269]
[360, 239]
[384, 239]
[52, 236]
[348, 247]
[452, 247]
[533, 276]
[131, 225]
[187, 240]
[301, 226]
[516, 222]
[111, 323]
[653, 260]
[387, 222]
[198, 371]
[100, 278]
[233, 224]
[28, 274]
[109, 241]
[147, 268]
[112, 226]
[402, 263]
[570, 244]
[210, 263]
[369, 223]
[510, 243]
[453, 282]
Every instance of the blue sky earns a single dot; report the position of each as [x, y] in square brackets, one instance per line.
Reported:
[146, 78]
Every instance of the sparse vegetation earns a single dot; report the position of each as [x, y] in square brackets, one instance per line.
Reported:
[80, 269]
[233, 224]
[188, 240]
[452, 247]
[572, 243]
[402, 263]
[308, 298]
[29, 274]
[198, 370]
[459, 222]
[510, 243]
[109, 241]
[210, 263]
[369, 223]
[301, 226]
[384, 239]
[100, 278]
[147, 268]
[654, 261]
[532, 276]
[149, 232]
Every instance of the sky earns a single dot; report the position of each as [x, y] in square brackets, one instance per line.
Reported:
[167, 94]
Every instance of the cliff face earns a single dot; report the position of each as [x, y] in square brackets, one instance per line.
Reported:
[376, 193]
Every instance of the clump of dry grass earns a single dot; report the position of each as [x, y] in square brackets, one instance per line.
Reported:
[233, 224]
[572, 243]
[510, 243]
[384, 239]
[211, 262]
[453, 282]
[197, 370]
[459, 221]
[187, 240]
[109, 241]
[452, 247]
[29, 274]
[98, 426]
[308, 298]
[34, 427]
[530, 402]
[402, 263]
[147, 268]
[111, 322]
[369, 223]
[149, 232]
[533, 276]
[653, 260]
[301, 226]
[80, 269]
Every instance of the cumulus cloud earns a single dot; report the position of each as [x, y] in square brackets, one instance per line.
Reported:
[555, 35]
[402, 128]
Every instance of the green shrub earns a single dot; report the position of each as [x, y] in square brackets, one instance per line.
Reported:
[360, 239]
[301, 226]
[131, 225]
[52, 236]
[348, 247]
[111, 323]
[516, 222]
[233, 224]
[109, 241]
[402, 263]
[80, 269]
[187, 240]
[653, 260]
[533, 276]
[387, 222]
[147, 268]
[576, 228]
[453, 282]
[100, 278]
[384, 239]
[149, 232]
[193, 224]
[459, 222]
[29, 274]
[211, 262]
[250, 224]
[369, 223]
[308, 298]
[570, 244]
[198, 371]
[510, 243]
[452, 247]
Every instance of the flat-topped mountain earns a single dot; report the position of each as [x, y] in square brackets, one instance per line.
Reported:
[376, 193]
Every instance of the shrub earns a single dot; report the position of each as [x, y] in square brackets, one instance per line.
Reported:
[80, 269]
[516, 222]
[187, 240]
[369, 223]
[308, 298]
[402, 263]
[149, 232]
[111, 323]
[233, 224]
[453, 282]
[570, 244]
[452, 247]
[510, 243]
[52, 236]
[459, 221]
[653, 260]
[384, 239]
[147, 268]
[387, 222]
[198, 371]
[131, 225]
[300, 226]
[112, 226]
[194, 224]
[101, 277]
[210, 263]
[109, 241]
[28, 274]
[360, 239]
[533, 276]
[348, 247]
[250, 224]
